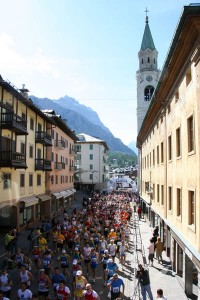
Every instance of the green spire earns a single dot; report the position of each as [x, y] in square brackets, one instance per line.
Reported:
[147, 41]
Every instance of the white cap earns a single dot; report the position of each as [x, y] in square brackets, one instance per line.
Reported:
[76, 248]
[63, 251]
[79, 273]
[106, 251]
[74, 262]
[110, 260]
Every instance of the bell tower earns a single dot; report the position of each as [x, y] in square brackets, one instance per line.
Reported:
[147, 75]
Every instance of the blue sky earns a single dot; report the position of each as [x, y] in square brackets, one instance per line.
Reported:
[86, 49]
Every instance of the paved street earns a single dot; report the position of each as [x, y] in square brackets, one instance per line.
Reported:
[160, 275]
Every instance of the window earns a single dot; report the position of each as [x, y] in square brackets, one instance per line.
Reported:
[38, 179]
[30, 179]
[91, 156]
[188, 76]
[31, 124]
[52, 134]
[22, 148]
[191, 206]
[148, 60]
[170, 198]
[162, 153]
[61, 179]
[22, 180]
[178, 142]
[162, 194]
[148, 92]
[142, 61]
[56, 179]
[7, 180]
[23, 116]
[179, 202]
[30, 151]
[91, 167]
[157, 154]
[52, 156]
[158, 193]
[91, 176]
[66, 161]
[176, 96]
[153, 157]
[190, 127]
[91, 146]
[170, 147]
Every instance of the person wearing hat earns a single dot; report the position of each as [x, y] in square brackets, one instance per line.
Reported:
[5, 283]
[64, 259]
[111, 268]
[114, 284]
[112, 247]
[144, 280]
[89, 293]
[79, 285]
[44, 283]
[75, 267]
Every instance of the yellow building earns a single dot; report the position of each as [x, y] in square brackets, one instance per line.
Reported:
[169, 144]
[25, 134]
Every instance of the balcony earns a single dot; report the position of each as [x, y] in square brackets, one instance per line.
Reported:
[9, 159]
[57, 166]
[42, 164]
[13, 122]
[59, 144]
[43, 138]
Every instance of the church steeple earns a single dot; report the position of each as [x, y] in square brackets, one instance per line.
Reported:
[147, 41]
[148, 73]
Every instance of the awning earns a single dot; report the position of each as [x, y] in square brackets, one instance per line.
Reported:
[64, 194]
[57, 195]
[44, 197]
[29, 201]
[69, 192]
[73, 190]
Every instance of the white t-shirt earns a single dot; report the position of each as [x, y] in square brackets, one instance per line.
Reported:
[24, 295]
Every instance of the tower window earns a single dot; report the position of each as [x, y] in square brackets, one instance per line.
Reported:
[148, 92]
[148, 60]
[142, 61]
[154, 60]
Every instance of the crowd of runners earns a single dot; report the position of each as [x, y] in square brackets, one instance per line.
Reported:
[65, 257]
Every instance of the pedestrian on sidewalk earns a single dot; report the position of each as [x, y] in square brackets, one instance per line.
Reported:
[2, 296]
[159, 247]
[139, 211]
[144, 280]
[160, 294]
[151, 252]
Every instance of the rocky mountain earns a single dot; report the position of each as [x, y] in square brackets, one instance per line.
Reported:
[132, 145]
[82, 119]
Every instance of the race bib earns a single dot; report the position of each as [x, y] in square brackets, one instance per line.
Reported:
[116, 289]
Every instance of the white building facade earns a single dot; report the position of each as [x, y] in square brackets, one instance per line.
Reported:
[91, 163]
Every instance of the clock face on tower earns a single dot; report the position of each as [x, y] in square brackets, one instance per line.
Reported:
[148, 92]
[149, 78]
